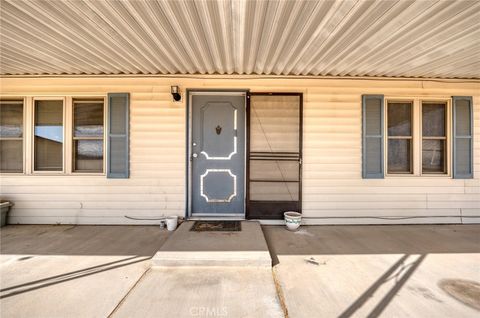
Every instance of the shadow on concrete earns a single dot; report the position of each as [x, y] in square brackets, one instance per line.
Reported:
[104, 240]
[383, 303]
[57, 279]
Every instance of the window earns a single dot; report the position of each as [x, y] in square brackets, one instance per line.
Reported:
[417, 137]
[48, 135]
[11, 136]
[434, 137]
[88, 119]
[400, 137]
[65, 135]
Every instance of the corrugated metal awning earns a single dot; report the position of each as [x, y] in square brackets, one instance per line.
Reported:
[340, 38]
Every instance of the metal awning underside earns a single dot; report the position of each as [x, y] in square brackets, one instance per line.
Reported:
[434, 39]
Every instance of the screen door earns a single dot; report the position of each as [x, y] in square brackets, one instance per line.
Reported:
[275, 144]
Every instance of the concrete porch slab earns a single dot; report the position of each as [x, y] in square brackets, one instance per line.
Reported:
[376, 271]
[72, 271]
[247, 247]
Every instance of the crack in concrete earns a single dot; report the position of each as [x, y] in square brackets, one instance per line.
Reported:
[280, 295]
[128, 292]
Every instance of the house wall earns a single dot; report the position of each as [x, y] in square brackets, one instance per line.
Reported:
[332, 182]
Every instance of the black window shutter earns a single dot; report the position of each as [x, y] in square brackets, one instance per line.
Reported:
[118, 135]
[462, 137]
[372, 137]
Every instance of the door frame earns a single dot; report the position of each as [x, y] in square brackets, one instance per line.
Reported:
[188, 180]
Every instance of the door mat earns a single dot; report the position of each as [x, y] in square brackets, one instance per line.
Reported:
[216, 226]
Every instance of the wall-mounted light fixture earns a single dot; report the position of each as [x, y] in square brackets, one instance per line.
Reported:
[175, 93]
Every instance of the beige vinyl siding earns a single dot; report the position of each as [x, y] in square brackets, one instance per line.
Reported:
[332, 183]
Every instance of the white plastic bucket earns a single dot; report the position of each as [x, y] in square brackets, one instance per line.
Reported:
[292, 220]
[172, 222]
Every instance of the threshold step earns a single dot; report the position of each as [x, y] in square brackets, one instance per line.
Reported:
[184, 247]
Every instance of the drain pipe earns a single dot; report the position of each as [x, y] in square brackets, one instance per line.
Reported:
[162, 220]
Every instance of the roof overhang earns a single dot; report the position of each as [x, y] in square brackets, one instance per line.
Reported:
[424, 39]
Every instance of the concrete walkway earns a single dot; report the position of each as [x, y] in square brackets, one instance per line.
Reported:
[207, 274]
[223, 291]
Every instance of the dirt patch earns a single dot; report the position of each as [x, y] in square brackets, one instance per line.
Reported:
[425, 293]
[465, 291]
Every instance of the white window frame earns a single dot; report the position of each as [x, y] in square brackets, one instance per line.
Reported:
[417, 136]
[67, 153]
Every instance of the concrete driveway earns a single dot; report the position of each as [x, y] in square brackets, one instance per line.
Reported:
[372, 271]
[320, 271]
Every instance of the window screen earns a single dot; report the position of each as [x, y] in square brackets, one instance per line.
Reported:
[400, 137]
[434, 137]
[274, 155]
[48, 142]
[88, 125]
[11, 136]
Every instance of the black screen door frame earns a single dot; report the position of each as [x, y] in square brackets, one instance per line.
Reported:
[276, 206]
